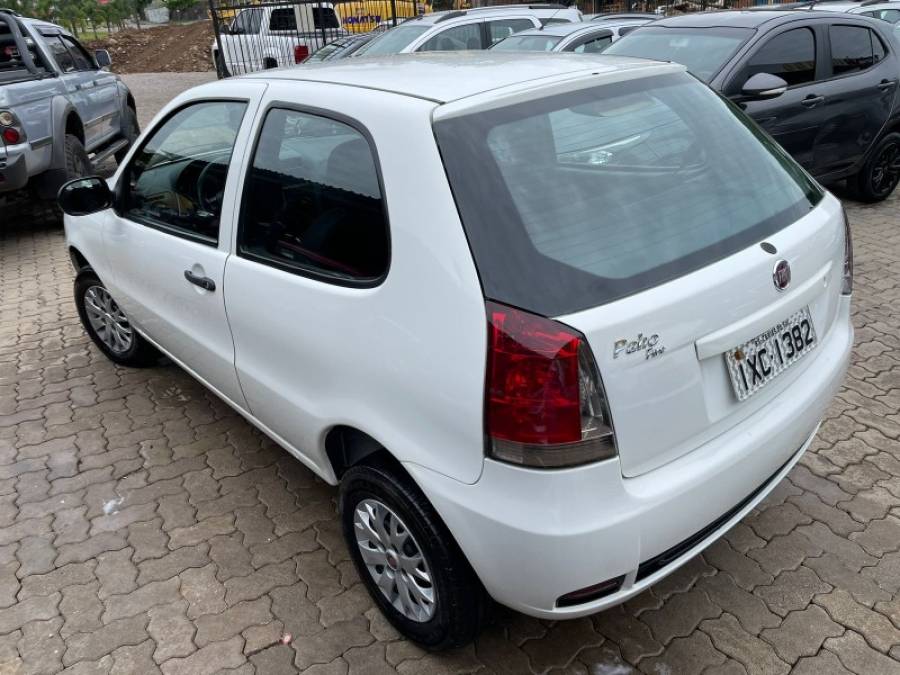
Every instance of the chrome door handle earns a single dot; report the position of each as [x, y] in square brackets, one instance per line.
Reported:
[884, 85]
[812, 101]
[203, 282]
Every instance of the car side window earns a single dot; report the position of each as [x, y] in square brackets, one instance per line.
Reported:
[313, 201]
[503, 28]
[593, 46]
[283, 19]
[83, 60]
[60, 54]
[247, 22]
[466, 36]
[879, 52]
[889, 15]
[852, 49]
[790, 55]
[176, 181]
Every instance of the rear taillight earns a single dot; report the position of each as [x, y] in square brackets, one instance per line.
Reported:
[300, 53]
[10, 128]
[545, 405]
[847, 283]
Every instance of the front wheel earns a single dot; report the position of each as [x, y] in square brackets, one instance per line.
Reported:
[108, 326]
[130, 131]
[408, 560]
[881, 172]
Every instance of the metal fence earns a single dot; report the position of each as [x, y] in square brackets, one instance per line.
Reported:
[253, 35]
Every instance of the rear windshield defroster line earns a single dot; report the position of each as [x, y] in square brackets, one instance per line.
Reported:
[578, 199]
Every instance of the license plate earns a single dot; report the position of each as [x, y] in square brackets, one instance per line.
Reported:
[757, 362]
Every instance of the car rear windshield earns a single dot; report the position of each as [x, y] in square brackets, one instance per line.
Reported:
[527, 43]
[702, 50]
[393, 41]
[578, 199]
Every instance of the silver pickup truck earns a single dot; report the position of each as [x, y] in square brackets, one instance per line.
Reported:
[61, 112]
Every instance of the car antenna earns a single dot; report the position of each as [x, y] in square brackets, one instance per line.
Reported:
[550, 18]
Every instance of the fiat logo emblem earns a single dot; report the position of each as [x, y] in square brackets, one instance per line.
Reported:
[782, 275]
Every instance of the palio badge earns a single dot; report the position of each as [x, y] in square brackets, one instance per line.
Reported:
[642, 343]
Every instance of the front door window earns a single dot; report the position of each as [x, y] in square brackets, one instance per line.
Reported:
[176, 181]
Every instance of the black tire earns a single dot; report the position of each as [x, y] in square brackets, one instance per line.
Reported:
[78, 164]
[460, 602]
[881, 172]
[139, 352]
[130, 131]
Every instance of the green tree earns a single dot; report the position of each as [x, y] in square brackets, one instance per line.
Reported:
[71, 15]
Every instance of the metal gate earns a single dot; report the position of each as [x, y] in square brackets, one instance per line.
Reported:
[253, 35]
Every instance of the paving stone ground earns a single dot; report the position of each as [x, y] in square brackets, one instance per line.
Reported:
[145, 527]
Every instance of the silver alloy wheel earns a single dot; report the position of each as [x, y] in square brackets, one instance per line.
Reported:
[108, 320]
[394, 560]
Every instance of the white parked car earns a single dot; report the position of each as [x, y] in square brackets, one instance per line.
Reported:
[886, 11]
[469, 29]
[554, 323]
[581, 38]
[274, 36]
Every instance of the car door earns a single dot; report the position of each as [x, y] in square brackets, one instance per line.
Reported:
[859, 96]
[169, 237]
[795, 118]
[72, 78]
[241, 45]
[311, 252]
[101, 93]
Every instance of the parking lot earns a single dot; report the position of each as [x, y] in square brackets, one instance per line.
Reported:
[144, 526]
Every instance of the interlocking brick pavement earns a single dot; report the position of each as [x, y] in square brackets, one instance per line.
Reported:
[145, 527]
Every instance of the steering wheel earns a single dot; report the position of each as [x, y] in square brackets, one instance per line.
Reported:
[211, 202]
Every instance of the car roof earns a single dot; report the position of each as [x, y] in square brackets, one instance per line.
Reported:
[893, 4]
[543, 10]
[564, 29]
[40, 23]
[624, 15]
[449, 76]
[834, 6]
[751, 18]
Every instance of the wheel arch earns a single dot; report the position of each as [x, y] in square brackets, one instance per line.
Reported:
[346, 447]
[79, 261]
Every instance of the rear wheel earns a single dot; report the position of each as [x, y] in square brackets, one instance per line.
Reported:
[78, 164]
[408, 560]
[108, 326]
[881, 173]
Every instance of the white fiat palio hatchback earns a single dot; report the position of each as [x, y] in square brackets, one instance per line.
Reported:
[554, 323]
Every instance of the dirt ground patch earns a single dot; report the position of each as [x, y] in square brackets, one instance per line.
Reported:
[173, 48]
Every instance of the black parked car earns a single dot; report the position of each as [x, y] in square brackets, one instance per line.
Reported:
[824, 85]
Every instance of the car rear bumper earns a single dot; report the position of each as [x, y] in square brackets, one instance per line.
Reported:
[13, 172]
[533, 536]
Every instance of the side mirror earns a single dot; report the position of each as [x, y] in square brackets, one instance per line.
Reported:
[83, 196]
[763, 86]
[103, 58]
